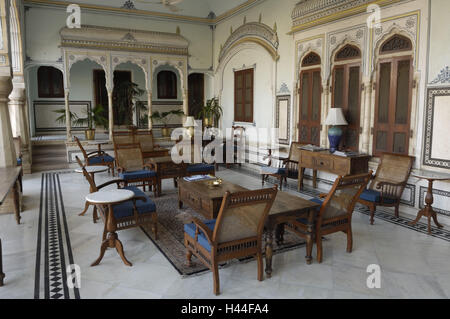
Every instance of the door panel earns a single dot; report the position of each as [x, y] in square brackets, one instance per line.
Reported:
[310, 106]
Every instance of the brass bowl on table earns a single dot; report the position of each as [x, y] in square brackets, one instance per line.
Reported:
[215, 183]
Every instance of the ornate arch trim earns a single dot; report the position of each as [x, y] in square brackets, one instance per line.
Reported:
[255, 32]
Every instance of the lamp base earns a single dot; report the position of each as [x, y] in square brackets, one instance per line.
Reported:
[334, 136]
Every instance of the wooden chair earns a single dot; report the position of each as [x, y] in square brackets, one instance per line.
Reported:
[131, 167]
[140, 211]
[123, 137]
[148, 146]
[288, 169]
[236, 233]
[335, 212]
[96, 158]
[388, 183]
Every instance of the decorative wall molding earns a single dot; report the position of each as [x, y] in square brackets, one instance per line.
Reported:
[114, 39]
[252, 32]
[283, 118]
[284, 90]
[309, 13]
[443, 77]
[428, 159]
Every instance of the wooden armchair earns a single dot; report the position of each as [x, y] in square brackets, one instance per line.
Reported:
[236, 233]
[123, 137]
[139, 211]
[148, 146]
[288, 169]
[387, 185]
[96, 157]
[131, 167]
[335, 212]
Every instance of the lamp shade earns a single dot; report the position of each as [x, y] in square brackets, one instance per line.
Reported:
[190, 122]
[335, 117]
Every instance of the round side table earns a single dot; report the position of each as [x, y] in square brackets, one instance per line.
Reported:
[428, 211]
[110, 198]
[92, 170]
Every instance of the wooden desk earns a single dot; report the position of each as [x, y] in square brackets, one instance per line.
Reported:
[9, 176]
[334, 164]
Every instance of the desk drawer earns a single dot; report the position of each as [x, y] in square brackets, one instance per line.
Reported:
[323, 163]
[341, 166]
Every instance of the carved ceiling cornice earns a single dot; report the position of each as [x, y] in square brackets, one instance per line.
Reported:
[310, 13]
[252, 32]
[114, 39]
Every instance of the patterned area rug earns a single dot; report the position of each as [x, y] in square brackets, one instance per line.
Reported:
[171, 235]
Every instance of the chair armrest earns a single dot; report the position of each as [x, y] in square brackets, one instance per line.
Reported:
[200, 225]
[390, 190]
[116, 181]
[136, 198]
[120, 169]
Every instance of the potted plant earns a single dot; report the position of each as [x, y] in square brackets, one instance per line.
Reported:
[125, 101]
[164, 118]
[94, 116]
[211, 112]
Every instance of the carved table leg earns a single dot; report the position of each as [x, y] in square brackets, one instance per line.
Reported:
[2, 275]
[428, 211]
[310, 237]
[86, 207]
[279, 234]
[269, 252]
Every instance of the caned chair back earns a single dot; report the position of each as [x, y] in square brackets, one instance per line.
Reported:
[125, 137]
[243, 214]
[87, 175]
[129, 156]
[294, 152]
[393, 168]
[343, 196]
[145, 138]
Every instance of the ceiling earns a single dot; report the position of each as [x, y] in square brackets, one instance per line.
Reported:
[190, 8]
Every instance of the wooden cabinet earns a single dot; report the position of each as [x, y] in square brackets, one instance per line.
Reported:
[334, 164]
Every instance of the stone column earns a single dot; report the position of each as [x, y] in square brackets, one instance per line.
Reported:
[110, 113]
[68, 119]
[150, 108]
[7, 152]
[185, 105]
[367, 117]
[19, 121]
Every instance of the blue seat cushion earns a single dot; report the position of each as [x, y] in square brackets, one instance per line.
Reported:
[125, 209]
[195, 168]
[100, 159]
[373, 196]
[136, 175]
[190, 230]
[315, 200]
[19, 161]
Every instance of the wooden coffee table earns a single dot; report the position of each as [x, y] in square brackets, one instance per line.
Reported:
[207, 201]
[203, 199]
[165, 168]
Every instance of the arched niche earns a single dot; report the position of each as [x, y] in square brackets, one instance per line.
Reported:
[179, 87]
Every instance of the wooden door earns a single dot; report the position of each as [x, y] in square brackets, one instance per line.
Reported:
[346, 94]
[393, 106]
[196, 87]
[310, 92]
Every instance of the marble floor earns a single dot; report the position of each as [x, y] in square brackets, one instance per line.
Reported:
[413, 264]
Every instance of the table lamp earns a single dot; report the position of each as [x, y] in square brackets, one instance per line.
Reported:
[335, 118]
[190, 124]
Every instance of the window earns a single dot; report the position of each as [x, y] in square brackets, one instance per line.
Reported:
[393, 99]
[50, 82]
[167, 85]
[243, 96]
[346, 93]
[310, 101]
